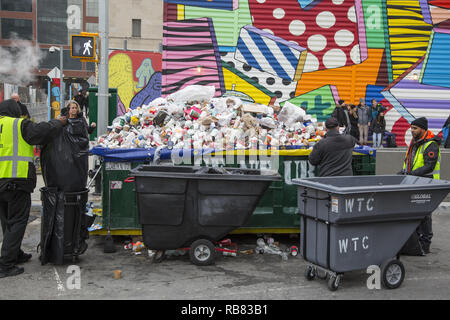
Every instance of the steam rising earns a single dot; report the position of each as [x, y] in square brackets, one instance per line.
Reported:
[18, 61]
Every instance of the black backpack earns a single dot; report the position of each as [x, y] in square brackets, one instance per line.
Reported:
[390, 141]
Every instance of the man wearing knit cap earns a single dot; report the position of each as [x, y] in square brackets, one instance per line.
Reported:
[333, 154]
[423, 160]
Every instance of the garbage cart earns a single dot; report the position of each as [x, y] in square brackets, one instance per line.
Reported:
[193, 206]
[352, 223]
[64, 226]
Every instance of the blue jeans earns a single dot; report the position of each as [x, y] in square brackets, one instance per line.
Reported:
[377, 140]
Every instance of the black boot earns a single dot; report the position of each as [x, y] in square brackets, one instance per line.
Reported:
[426, 247]
[23, 257]
[10, 272]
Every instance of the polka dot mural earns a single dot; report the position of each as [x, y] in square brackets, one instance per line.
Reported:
[332, 31]
[309, 52]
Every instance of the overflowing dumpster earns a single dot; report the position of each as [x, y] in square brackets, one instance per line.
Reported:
[181, 206]
[352, 223]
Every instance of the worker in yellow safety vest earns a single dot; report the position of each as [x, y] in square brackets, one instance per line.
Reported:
[423, 160]
[18, 179]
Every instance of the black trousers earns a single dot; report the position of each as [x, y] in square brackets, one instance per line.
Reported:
[14, 213]
[425, 231]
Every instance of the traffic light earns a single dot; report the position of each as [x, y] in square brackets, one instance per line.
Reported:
[82, 46]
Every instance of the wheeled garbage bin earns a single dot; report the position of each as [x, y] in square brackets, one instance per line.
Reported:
[351, 223]
[64, 226]
[195, 206]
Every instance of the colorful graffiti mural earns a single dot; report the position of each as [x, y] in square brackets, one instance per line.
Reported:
[137, 77]
[55, 101]
[312, 52]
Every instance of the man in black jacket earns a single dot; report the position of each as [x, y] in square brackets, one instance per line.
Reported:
[17, 182]
[340, 113]
[24, 110]
[333, 154]
[80, 99]
[423, 160]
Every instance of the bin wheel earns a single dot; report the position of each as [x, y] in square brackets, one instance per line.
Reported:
[310, 273]
[333, 282]
[159, 256]
[392, 274]
[202, 252]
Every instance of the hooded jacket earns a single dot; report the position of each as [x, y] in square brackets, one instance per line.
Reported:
[333, 154]
[378, 127]
[430, 155]
[339, 114]
[33, 134]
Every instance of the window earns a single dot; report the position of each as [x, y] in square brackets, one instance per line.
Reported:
[136, 28]
[20, 28]
[92, 27]
[92, 8]
[17, 5]
[51, 60]
[52, 21]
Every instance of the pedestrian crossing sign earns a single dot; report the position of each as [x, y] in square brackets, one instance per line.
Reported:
[83, 47]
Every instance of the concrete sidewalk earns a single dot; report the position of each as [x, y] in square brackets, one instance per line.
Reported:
[244, 277]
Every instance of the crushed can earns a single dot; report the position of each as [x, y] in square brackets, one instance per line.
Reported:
[294, 251]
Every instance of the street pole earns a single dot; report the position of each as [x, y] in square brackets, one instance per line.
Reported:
[103, 91]
[61, 79]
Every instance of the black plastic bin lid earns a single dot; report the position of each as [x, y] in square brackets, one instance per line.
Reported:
[197, 172]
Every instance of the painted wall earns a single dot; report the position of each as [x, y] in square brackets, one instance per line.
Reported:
[314, 52]
[137, 77]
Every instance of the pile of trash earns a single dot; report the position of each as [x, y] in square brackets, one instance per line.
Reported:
[271, 247]
[136, 247]
[193, 118]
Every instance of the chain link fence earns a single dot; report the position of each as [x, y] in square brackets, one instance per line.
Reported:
[34, 99]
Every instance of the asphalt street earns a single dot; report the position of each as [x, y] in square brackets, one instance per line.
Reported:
[254, 277]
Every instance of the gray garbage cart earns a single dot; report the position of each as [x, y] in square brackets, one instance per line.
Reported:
[351, 223]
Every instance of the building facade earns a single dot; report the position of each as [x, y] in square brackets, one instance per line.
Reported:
[47, 23]
[138, 22]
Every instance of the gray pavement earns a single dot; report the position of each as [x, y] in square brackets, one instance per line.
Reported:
[253, 277]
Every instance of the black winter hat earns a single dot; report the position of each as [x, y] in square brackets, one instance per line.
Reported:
[331, 123]
[421, 123]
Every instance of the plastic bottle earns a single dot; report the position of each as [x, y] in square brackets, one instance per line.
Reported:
[90, 209]
[260, 242]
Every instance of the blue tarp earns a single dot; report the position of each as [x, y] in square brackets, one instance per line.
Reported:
[140, 154]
